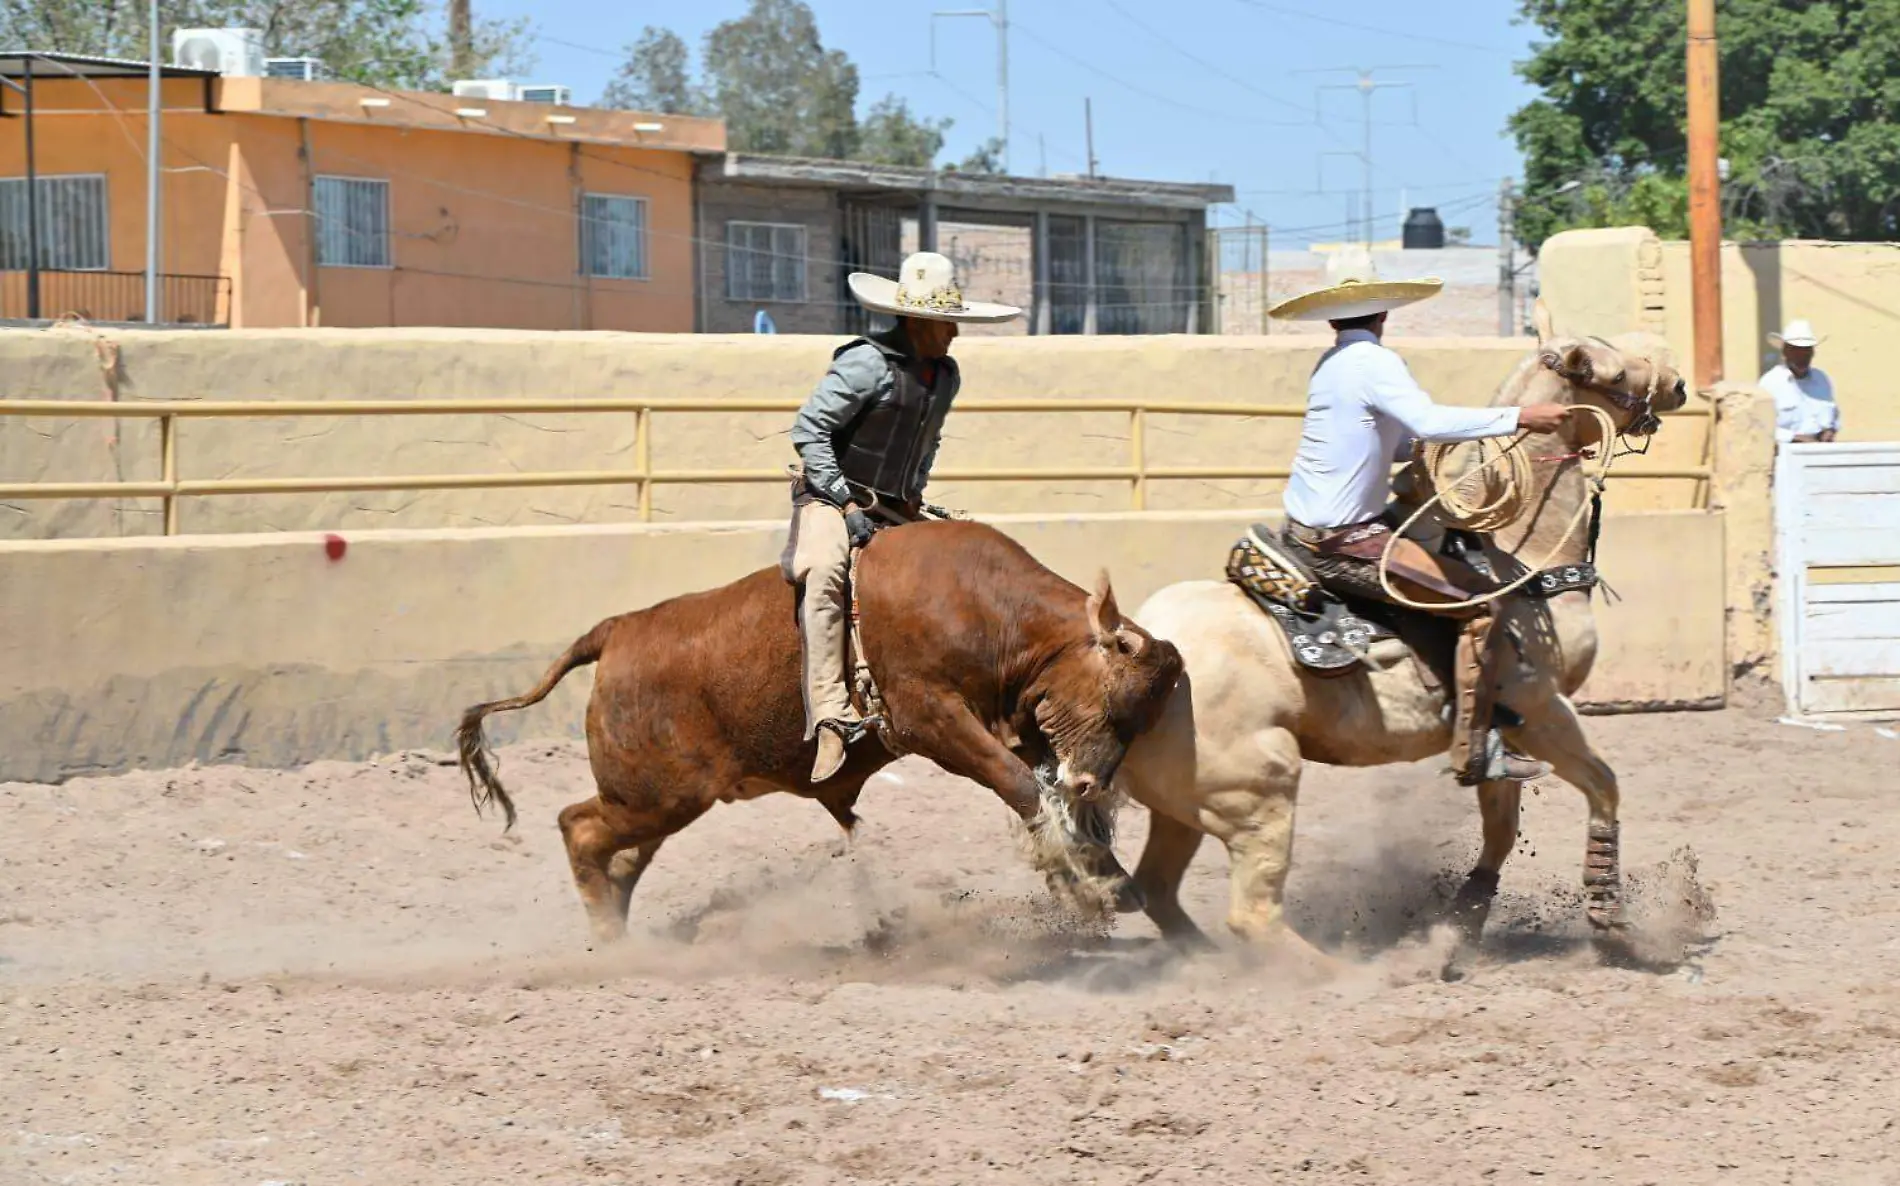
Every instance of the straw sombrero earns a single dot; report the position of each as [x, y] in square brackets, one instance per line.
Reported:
[926, 287]
[1354, 289]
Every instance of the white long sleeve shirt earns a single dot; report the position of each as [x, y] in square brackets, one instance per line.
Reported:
[1804, 406]
[1363, 411]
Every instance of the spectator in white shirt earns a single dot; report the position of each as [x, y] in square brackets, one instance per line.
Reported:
[1804, 397]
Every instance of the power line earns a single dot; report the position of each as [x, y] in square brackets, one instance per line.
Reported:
[986, 108]
[1203, 62]
[617, 55]
[1152, 96]
[1362, 27]
[972, 100]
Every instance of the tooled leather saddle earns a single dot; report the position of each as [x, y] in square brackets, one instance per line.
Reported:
[1331, 633]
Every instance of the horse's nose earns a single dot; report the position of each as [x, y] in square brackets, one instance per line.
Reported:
[1083, 785]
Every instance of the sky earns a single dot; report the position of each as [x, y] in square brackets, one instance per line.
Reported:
[1182, 90]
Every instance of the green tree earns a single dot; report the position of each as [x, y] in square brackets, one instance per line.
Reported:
[769, 76]
[891, 135]
[779, 91]
[392, 43]
[1810, 95]
[987, 157]
[657, 76]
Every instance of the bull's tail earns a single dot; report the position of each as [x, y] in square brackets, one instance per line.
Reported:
[484, 788]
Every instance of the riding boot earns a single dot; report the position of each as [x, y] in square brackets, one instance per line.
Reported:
[1474, 673]
[1478, 751]
[834, 736]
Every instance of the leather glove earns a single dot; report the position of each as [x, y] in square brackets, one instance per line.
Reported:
[858, 528]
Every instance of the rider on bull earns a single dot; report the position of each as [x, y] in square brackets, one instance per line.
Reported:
[1364, 413]
[866, 439]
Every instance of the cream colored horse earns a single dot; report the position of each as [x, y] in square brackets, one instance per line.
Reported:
[1225, 758]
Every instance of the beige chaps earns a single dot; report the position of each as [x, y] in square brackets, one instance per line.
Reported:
[818, 559]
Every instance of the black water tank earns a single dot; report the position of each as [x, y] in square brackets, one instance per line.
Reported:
[1423, 230]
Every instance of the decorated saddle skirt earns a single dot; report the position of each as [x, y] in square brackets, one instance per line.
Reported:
[1329, 635]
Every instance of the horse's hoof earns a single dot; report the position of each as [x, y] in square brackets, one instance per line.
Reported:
[1607, 917]
[1471, 909]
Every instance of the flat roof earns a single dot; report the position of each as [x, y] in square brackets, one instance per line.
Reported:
[865, 175]
[345, 102]
[13, 65]
[355, 103]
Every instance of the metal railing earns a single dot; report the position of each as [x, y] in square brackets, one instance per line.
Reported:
[170, 487]
[119, 297]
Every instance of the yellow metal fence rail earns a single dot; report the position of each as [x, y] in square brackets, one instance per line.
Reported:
[170, 487]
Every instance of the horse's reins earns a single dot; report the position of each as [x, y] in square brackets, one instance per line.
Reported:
[1509, 503]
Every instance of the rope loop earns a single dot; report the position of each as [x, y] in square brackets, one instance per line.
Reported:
[1503, 480]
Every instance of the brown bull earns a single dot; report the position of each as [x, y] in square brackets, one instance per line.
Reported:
[990, 665]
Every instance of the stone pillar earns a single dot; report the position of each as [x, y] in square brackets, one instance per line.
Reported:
[1742, 488]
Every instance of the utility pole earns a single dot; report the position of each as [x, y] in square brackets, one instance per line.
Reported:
[1705, 193]
[154, 151]
[998, 17]
[461, 38]
[1367, 86]
[1088, 128]
[1002, 78]
[1507, 259]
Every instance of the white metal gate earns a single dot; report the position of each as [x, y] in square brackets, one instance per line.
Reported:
[1837, 522]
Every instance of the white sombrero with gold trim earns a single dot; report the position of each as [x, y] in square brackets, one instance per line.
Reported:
[1353, 289]
[926, 287]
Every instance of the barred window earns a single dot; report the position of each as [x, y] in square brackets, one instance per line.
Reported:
[614, 237]
[765, 261]
[352, 222]
[72, 222]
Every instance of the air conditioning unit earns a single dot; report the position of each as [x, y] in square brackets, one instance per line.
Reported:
[235, 53]
[483, 88]
[301, 69]
[560, 96]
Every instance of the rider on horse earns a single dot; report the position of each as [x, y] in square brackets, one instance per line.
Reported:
[1365, 412]
[866, 440]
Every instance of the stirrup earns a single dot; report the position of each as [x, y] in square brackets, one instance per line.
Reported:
[1502, 764]
[849, 732]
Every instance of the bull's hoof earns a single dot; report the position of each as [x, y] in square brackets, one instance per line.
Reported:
[1129, 898]
[1188, 940]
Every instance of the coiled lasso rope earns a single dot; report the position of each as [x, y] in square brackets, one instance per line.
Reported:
[1505, 497]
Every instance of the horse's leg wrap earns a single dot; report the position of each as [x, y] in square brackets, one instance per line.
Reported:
[1476, 673]
[1603, 877]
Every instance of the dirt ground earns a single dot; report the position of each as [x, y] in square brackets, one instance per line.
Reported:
[340, 975]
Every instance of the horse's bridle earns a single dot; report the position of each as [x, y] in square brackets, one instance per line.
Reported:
[1641, 408]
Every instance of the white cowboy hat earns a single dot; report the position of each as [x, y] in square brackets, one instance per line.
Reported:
[1353, 289]
[1795, 333]
[926, 287]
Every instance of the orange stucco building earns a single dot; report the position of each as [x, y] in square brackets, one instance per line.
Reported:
[305, 203]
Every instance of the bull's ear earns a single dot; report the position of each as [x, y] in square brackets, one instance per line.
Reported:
[1540, 318]
[1105, 617]
[1112, 631]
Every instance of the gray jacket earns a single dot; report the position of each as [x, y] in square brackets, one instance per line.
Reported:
[859, 377]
